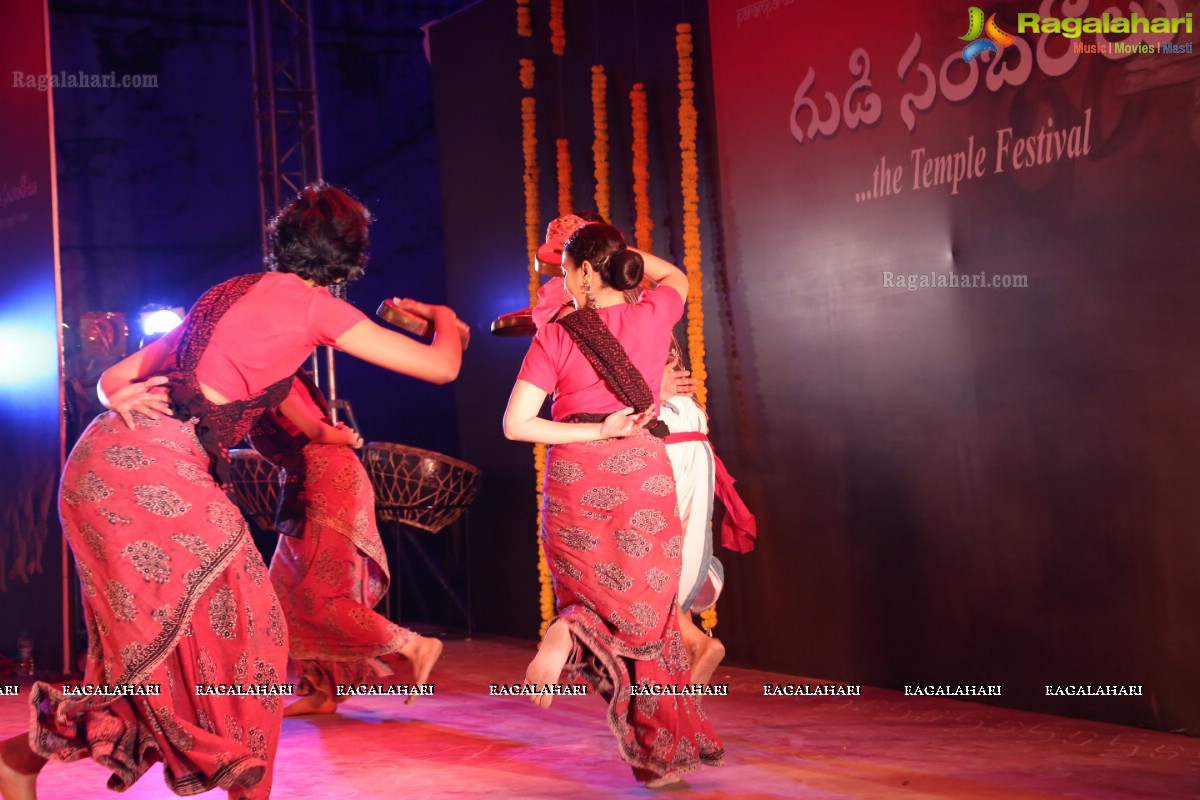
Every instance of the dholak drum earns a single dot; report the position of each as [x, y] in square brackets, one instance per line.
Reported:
[256, 485]
[421, 488]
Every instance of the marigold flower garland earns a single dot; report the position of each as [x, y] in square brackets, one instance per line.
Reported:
[563, 162]
[532, 219]
[642, 224]
[558, 34]
[524, 19]
[546, 586]
[690, 180]
[600, 140]
[533, 238]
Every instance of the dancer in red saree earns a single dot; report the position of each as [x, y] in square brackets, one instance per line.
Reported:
[329, 568]
[611, 528]
[175, 594]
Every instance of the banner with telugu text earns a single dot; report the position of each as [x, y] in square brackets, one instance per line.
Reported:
[961, 239]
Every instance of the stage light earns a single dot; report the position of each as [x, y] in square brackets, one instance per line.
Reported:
[156, 320]
[28, 355]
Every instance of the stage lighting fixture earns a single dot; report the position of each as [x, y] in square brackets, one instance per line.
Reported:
[156, 320]
[28, 354]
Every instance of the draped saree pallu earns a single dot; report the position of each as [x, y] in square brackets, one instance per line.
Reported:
[329, 568]
[175, 595]
[613, 541]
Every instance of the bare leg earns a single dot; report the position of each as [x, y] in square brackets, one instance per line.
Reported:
[705, 651]
[19, 768]
[423, 652]
[315, 703]
[547, 666]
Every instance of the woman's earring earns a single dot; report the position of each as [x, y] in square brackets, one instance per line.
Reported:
[587, 292]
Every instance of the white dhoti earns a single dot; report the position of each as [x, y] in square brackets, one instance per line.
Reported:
[693, 463]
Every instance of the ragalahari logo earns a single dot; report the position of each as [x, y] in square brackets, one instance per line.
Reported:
[995, 42]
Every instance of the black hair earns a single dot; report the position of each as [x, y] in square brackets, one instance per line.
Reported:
[320, 236]
[590, 216]
[603, 246]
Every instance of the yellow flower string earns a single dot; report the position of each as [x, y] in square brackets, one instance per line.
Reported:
[533, 222]
[546, 590]
[524, 19]
[533, 238]
[690, 181]
[563, 162]
[558, 34]
[642, 224]
[600, 140]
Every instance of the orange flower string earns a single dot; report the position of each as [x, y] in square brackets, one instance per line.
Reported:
[642, 224]
[691, 208]
[533, 238]
[546, 587]
[558, 33]
[563, 163]
[690, 184]
[524, 19]
[533, 234]
[600, 140]
[527, 73]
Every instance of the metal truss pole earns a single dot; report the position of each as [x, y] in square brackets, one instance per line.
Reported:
[283, 73]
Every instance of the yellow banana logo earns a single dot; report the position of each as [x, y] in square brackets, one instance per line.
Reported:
[997, 38]
[975, 24]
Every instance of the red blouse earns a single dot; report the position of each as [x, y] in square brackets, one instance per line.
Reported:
[269, 332]
[555, 365]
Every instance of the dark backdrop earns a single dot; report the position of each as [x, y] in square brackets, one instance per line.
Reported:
[984, 485]
[478, 110]
[953, 486]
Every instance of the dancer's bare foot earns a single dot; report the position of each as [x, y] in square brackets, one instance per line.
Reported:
[423, 652]
[316, 703]
[706, 652]
[664, 781]
[19, 768]
[706, 659]
[547, 666]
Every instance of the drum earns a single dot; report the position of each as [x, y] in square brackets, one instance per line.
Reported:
[256, 485]
[421, 488]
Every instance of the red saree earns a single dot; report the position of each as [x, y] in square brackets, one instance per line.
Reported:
[329, 580]
[611, 533]
[330, 576]
[174, 594]
[613, 542]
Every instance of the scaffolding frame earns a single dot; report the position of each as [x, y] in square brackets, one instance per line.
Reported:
[288, 135]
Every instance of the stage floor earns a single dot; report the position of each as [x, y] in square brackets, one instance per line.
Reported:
[462, 743]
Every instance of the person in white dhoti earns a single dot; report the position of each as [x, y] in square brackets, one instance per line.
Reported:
[693, 463]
